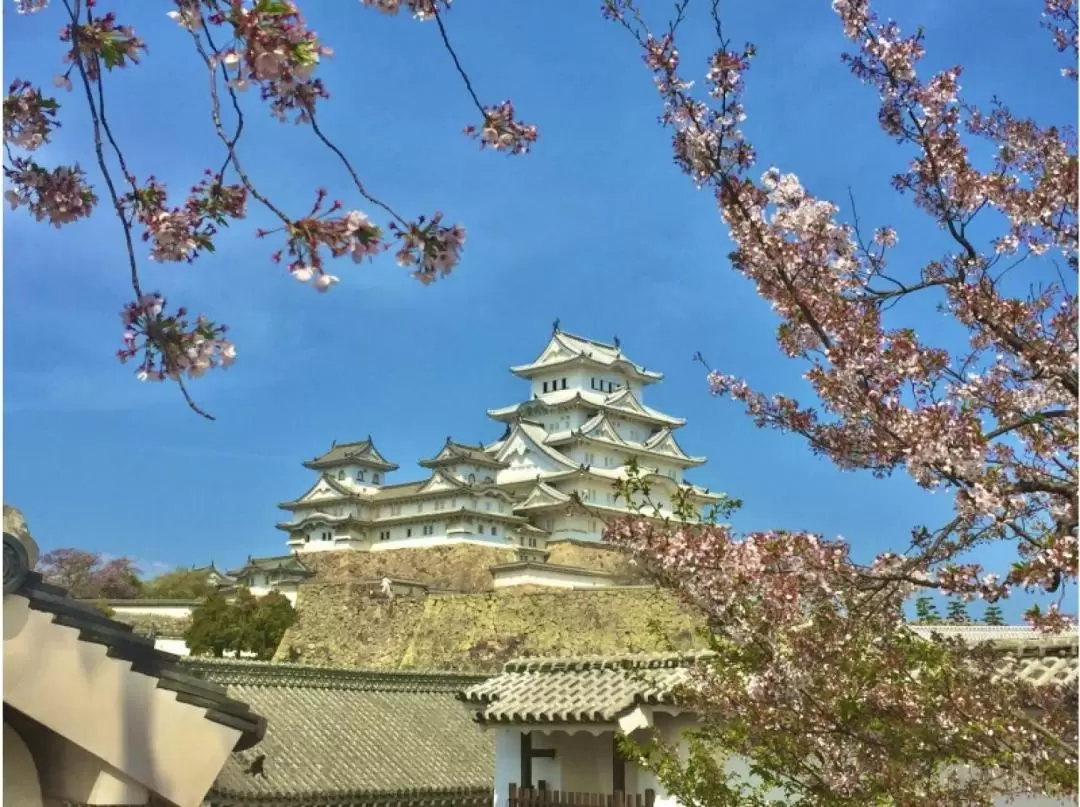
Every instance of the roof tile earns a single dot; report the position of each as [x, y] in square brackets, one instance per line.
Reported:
[341, 736]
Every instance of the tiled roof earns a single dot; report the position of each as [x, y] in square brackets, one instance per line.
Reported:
[124, 644]
[354, 737]
[362, 452]
[581, 690]
[601, 690]
[453, 452]
[1026, 654]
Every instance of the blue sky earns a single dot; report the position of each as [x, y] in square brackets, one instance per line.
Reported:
[596, 227]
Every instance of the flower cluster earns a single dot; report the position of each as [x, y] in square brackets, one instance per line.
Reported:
[430, 247]
[170, 346]
[501, 132]
[275, 50]
[1060, 18]
[181, 233]
[101, 42]
[59, 196]
[29, 116]
[420, 9]
[30, 6]
[349, 233]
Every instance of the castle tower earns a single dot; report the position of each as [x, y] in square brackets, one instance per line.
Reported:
[584, 421]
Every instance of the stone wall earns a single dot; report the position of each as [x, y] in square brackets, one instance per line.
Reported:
[341, 625]
[456, 567]
[601, 558]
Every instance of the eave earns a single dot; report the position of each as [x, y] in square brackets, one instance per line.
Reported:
[625, 368]
[632, 448]
[652, 417]
[365, 454]
[459, 454]
[322, 518]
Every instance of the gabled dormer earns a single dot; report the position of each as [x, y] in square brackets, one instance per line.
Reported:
[570, 362]
[358, 464]
[471, 464]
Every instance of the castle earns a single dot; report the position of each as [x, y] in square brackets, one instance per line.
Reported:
[584, 422]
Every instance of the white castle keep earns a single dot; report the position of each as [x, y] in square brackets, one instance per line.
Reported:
[583, 423]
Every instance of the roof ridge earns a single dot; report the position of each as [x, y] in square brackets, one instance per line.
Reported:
[587, 340]
[277, 673]
[629, 661]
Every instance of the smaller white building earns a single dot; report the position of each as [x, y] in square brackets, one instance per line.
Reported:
[556, 722]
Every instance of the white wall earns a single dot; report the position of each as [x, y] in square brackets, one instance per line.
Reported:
[553, 578]
[151, 609]
[21, 784]
[441, 540]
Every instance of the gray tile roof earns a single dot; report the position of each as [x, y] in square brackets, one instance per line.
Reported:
[601, 690]
[581, 690]
[354, 737]
[361, 452]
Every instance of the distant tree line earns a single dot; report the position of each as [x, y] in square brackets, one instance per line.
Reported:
[89, 575]
[956, 612]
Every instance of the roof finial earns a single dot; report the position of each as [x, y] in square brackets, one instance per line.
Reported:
[555, 326]
[333, 443]
[617, 343]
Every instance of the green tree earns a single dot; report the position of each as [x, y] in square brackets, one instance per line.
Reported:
[957, 611]
[926, 613]
[245, 624]
[268, 622]
[179, 584]
[213, 629]
[992, 615]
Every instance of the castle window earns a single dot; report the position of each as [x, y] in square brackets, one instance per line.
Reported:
[341, 476]
[419, 507]
[375, 478]
[408, 532]
[494, 530]
[532, 542]
[545, 386]
[384, 535]
[360, 475]
[395, 510]
[564, 383]
[472, 479]
[439, 504]
[592, 383]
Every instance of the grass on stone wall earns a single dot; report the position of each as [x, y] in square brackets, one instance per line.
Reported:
[341, 625]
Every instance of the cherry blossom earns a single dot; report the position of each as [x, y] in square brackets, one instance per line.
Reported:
[501, 132]
[817, 680]
[349, 233]
[429, 246]
[274, 50]
[29, 117]
[179, 234]
[168, 346]
[59, 195]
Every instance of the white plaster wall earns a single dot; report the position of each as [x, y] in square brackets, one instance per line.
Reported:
[673, 727]
[21, 784]
[178, 647]
[439, 540]
[507, 763]
[543, 577]
[150, 609]
[313, 545]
